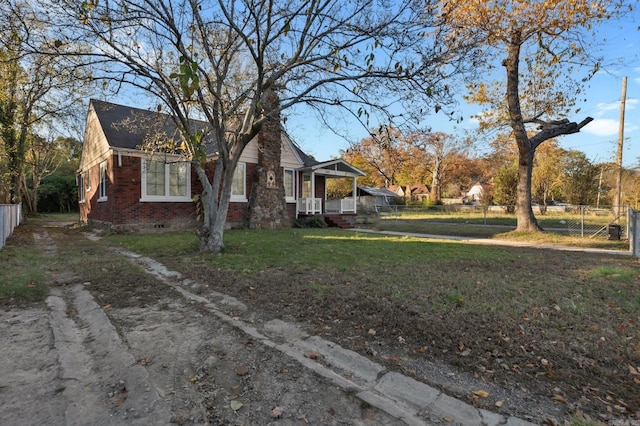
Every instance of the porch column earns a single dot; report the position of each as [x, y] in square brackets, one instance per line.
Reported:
[313, 189]
[355, 195]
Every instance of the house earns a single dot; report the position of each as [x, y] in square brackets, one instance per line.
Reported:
[417, 192]
[477, 192]
[124, 186]
[375, 198]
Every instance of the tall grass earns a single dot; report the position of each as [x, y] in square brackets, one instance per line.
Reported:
[22, 275]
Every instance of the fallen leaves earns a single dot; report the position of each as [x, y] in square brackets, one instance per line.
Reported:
[481, 393]
[312, 355]
[235, 405]
[276, 412]
[559, 398]
[241, 370]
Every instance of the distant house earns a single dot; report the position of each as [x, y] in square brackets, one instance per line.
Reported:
[417, 192]
[477, 192]
[124, 186]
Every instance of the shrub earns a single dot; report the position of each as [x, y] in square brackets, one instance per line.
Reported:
[311, 222]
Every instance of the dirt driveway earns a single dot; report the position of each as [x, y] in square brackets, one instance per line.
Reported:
[71, 361]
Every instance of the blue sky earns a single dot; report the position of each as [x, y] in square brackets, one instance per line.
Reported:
[619, 44]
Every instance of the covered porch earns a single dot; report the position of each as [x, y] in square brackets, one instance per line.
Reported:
[312, 196]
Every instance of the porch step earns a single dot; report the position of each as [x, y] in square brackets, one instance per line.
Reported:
[338, 222]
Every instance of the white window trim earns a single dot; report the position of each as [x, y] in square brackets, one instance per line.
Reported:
[87, 180]
[103, 173]
[240, 198]
[290, 199]
[164, 198]
[81, 188]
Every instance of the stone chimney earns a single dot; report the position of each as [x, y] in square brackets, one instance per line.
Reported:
[267, 206]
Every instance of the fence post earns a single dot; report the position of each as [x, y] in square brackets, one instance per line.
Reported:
[3, 237]
[632, 226]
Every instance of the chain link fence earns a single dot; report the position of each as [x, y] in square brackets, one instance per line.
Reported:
[582, 221]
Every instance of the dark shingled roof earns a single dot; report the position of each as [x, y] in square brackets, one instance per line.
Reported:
[130, 128]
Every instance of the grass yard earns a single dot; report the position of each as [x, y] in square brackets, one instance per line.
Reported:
[22, 275]
[563, 324]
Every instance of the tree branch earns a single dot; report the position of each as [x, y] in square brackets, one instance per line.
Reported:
[562, 127]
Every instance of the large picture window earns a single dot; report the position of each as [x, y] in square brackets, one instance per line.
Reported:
[239, 185]
[165, 181]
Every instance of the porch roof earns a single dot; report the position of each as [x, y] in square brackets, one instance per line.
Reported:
[334, 168]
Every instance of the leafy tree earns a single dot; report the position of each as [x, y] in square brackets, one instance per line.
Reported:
[37, 89]
[505, 190]
[546, 177]
[355, 158]
[464, 171]
[383, 156]
[439, 148]
[631, 188]
[539, 44]
[222, 61]
[44, 158]
[58, 193]
[580, 181]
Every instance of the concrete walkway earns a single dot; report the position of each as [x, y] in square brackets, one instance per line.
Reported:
[494, 242]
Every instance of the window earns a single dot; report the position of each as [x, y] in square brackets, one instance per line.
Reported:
[239, 184]
[165, 181]
[81, 188]
[306, 186]
[289, 185]
[102, 187]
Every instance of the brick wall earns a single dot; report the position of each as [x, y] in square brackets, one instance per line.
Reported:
[124, 210]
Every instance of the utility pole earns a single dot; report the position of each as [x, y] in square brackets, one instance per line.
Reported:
[618, 199]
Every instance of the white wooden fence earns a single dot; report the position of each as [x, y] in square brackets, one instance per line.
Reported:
[10, 217]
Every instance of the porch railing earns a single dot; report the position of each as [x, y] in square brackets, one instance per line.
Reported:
[310, 205]
[347, 205]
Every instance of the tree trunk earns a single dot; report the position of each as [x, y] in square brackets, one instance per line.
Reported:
[435, 182]
[526, 221]
[211, 239]
[215, 205]
[524, 212]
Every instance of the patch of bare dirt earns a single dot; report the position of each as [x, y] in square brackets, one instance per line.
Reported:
[154, 352]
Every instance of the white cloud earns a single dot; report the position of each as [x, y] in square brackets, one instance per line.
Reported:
[602, 127]
[603, 108]
[608, 127]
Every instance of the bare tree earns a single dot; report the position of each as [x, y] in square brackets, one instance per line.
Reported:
[439, 148]
[220, 60]
[542, 46]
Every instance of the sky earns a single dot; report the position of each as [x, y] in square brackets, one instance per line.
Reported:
[619, 43]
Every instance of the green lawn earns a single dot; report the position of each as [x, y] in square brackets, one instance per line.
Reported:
[552, 321]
